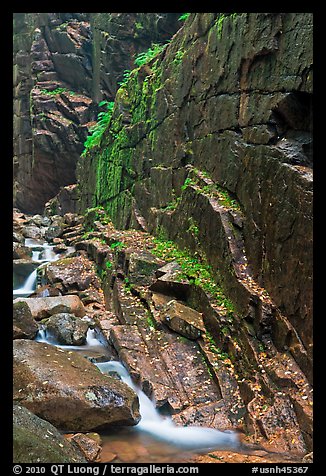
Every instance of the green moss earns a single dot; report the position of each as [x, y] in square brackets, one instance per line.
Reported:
[118, 245]
[108, 264]
[220, 21]
[178, 57]
[195, 269]
[150, 320]
[219, 24]
[54, 92]
[214, 190]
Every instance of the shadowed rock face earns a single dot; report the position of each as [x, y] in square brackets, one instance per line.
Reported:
[64, 65]
[24, 326]
[37, 441]
[57, 393]
[227, 106]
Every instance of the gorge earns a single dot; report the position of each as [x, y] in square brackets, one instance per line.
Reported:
[166, 160]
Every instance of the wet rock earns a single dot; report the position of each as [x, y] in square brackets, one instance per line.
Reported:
[72, 219]
[37, 220]
[67, 328]
[87, 445]
[37, 441]
[21, 252]
[127, 307]
[169, 368]
[68, 390]
[60, 248]
[183, 319]
[24, 326]
[73, 273]
[91, 295]
[45, 307]
[64, 203]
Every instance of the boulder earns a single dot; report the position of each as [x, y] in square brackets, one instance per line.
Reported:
[37, 441]
[68, 390]
[183, 319]
[24, 326]
[67, 328]
[54, 231]
[21, 252]
[46, 291]
[42, 307]
[73, 273]
[87, 445]
[33, 231]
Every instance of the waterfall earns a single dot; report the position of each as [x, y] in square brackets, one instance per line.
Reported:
[41, 253]
[29, 285]
[164, 429]
[152, 422]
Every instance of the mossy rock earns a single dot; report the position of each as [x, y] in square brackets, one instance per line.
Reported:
[37, 441]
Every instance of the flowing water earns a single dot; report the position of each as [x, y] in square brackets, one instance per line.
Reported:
[41, 253]
[155, 438]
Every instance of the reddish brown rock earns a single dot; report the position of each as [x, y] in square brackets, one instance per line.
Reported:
[77, 273]
[87, 445]
[183, 319]
[48, 382]
[24, 326]
[42, 307]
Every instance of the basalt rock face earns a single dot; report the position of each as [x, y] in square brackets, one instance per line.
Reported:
[64, 64]
[210, 143]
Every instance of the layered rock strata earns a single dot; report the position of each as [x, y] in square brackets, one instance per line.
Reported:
[210, 145]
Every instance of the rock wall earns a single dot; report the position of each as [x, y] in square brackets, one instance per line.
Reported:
[210, 145]
[64, 64]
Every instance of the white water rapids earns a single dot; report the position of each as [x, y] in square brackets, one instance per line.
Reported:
[152, 422]
[41, 253]
[163, 428]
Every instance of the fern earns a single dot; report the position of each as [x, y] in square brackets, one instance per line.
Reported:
[103, 119]
[146, 56]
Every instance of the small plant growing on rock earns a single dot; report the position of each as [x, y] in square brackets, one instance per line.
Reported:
[184, 17]
[146, 56]
[108, 264]
[103, 119]
[118, 245]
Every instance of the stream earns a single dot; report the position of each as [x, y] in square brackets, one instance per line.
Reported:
[155, 438]
[42, 253]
